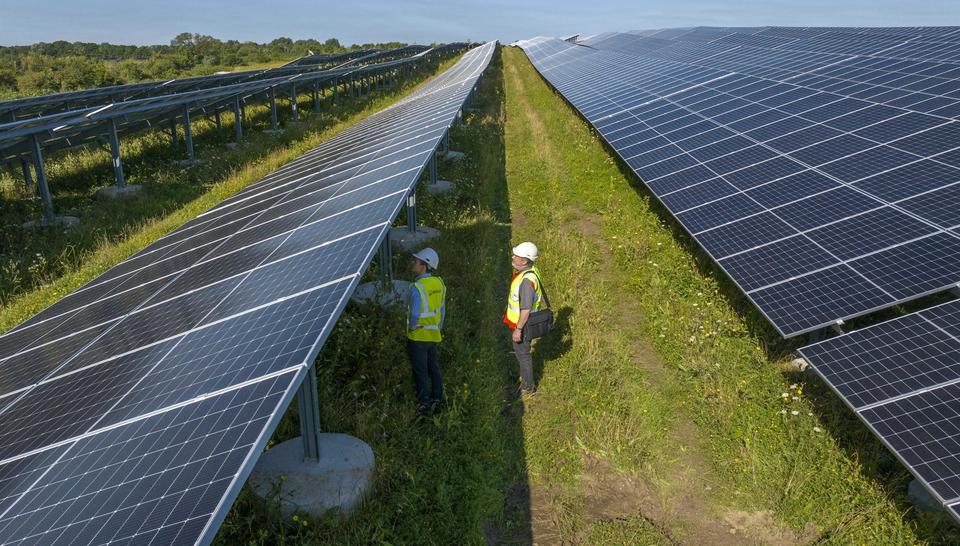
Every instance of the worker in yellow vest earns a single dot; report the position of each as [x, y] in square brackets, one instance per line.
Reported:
[524, 298]
[425, 314]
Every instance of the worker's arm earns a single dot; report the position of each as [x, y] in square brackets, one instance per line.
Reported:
[524, 316]
[414, 306]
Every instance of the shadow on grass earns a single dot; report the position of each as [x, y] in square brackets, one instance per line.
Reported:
[554, 345]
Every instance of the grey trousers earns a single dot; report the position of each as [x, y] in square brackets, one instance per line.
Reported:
[525, 360]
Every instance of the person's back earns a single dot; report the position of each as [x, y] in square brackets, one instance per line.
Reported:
[426, 311]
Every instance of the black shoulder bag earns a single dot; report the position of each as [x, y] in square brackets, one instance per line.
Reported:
[540, 323]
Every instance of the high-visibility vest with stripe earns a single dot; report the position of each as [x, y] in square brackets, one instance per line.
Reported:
[433, 295]
[513, 298]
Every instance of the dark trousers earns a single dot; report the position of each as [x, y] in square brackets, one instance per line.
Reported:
[426, 370]
[525, 359]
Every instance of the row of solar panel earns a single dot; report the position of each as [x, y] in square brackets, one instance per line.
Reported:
[15, 109]
[75, 127]
[782, 184]
[133, 409]
[873, 187]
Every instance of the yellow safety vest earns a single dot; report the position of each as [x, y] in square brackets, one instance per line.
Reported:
[433, 297]
[513, 298]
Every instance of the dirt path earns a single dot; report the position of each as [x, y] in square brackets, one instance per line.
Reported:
[674, 498]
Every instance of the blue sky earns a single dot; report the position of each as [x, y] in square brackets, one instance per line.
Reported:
[142, 22]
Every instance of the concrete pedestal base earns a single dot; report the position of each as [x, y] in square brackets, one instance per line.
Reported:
[273, 132]
[58, 221]
[403, 240]
[189, 162]
[439, 187]
[451, 155]
[370, 293]
[339, 480]
[116, 192]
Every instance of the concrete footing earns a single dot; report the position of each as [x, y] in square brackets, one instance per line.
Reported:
[403, 240]
[439, 187]
[64, 221]
[375, 293]
[922, 498]
[117, 192]
[451, 155]
[798, 364]
[338, 481]
[189, 162]
[273, 132]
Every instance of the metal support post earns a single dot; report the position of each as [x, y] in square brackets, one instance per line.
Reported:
[336, 92]
[386, 262]
[353, 87]
[293, 103]
[412, 211]
[42, 178]
[115, 152]
[27, 177]
[316, 96]
[238, 120]
[309, 406]
[216, 118]
[187, 134]
[445, 141]
[174, 135]
[273, 110]
[433, 168]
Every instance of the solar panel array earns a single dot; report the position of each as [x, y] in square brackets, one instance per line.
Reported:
[818, 167]
[133, 409]
[59, 121]
[902, 378]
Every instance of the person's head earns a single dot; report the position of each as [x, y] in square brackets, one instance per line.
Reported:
[423, 261]
[524, 255]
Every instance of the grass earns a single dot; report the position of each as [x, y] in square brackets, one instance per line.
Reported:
[39, 266]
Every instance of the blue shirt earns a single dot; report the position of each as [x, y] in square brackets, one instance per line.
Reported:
[415, 304]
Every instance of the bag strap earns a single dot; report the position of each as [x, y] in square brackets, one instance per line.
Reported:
[542, 288]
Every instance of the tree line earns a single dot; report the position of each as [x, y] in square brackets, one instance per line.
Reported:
[59, 66]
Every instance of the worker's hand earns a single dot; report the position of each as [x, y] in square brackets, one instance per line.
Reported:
[517, 335]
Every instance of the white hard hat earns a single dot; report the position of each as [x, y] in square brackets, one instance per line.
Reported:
[428, 256]
[526, 250]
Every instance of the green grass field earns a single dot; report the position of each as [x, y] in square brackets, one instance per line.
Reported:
[665, 413]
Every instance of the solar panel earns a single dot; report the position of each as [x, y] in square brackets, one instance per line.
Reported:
[817, 171]
[902, 378]
[133, 409]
